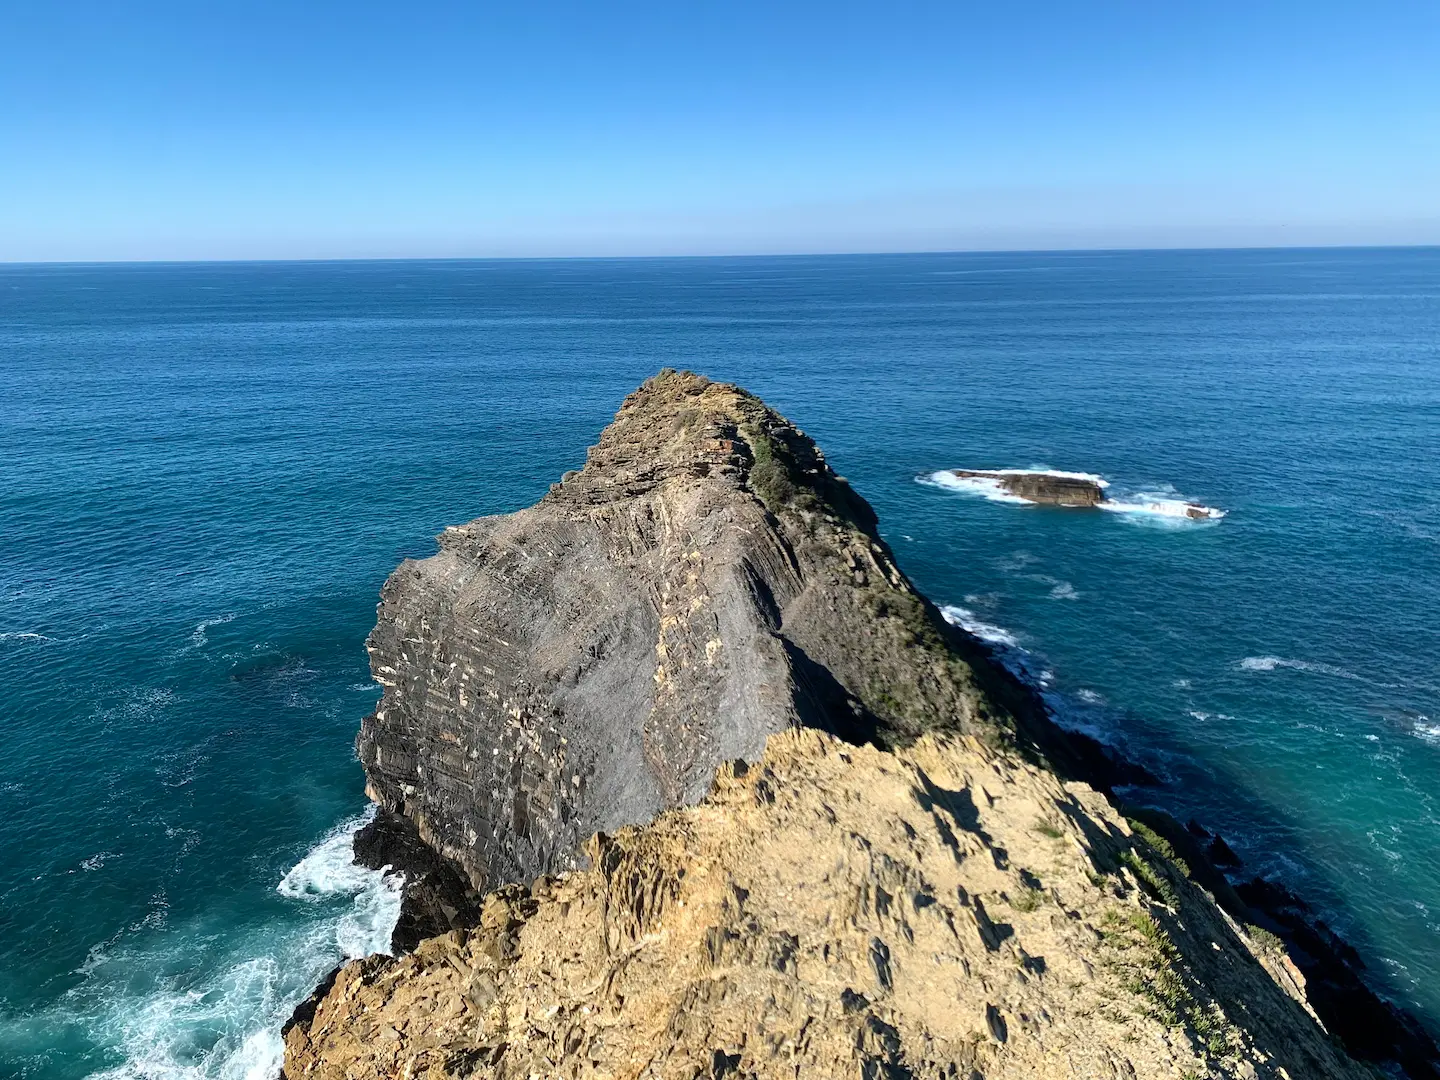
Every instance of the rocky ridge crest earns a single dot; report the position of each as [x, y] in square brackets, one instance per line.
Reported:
[919, 875]
[705, 581]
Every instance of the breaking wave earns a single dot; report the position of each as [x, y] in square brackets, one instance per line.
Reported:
[1084, 710]
[971, 623]
[984, 486]
[175, 1013]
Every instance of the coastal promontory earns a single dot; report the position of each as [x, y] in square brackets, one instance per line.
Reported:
[692, 782]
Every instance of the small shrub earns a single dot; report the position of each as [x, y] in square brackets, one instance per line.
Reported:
[1050, 830]
[1269, 944]
[1159, 844]
[1151, 880]
[1027, 899]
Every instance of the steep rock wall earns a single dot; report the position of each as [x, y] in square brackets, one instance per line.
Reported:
[704, 581]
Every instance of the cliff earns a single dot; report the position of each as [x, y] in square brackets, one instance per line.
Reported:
[917, 874]
[839, 911]
[704, 582]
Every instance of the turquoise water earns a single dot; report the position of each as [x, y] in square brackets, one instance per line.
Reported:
[207, 471]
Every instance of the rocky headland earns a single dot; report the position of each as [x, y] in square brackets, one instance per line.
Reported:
[689, 781]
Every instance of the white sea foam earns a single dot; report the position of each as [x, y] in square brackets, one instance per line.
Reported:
[1155, 507]
[968, 621]
[985, 486]
[198, 638]
[1159, 509]
[1064, 591]
[226, 1024]
[23, 635]
[1425, 729]
[1270, 663]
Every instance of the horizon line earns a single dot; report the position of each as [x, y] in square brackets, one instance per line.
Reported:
[712, 255]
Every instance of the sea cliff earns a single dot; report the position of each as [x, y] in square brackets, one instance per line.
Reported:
[691, 781]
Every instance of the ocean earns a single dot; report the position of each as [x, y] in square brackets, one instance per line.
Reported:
[207, 471]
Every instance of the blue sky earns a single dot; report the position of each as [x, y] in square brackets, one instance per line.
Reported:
[220, 129]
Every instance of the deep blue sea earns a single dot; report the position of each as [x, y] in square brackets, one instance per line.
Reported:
[207, 471]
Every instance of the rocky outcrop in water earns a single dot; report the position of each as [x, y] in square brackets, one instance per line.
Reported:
[911, 877]
[1046, 488]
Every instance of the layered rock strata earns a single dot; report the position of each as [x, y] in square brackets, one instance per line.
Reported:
[911, 880]
[839, 911]
[704, 581]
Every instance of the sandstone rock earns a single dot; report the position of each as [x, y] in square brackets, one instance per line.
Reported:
[824, 912]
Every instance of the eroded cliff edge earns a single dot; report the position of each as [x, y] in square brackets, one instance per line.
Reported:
[830, 910]
[705, 581]
[704, 588]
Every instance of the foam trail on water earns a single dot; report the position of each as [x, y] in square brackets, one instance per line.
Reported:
[225, 1024]
[1083, 710]
[1162, 507]
[984, 486]
[199, 639]
[1162, 510]
[971, 623]
[1270, 663]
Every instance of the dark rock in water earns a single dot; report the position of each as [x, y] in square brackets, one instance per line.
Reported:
[1054, 489]
[1221, 854]
[1371, 1028]
[305, 1011]
[438, 897]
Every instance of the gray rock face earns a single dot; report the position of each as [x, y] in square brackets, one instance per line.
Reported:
[704, 581]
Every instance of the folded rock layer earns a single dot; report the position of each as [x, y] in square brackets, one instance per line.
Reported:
[906, 880]
[704, 581]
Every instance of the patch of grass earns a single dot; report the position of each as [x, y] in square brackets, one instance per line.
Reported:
[1027, 899]
[1151, 880]
[1158, 844]
[1268, 943]
[1151, 968]
[775, 475]
[1050, 830]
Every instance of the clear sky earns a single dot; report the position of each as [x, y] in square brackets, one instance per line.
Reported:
[321, 129]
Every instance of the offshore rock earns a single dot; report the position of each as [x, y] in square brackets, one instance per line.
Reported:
[1048, 488]
[704, 581]
[838, 911]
